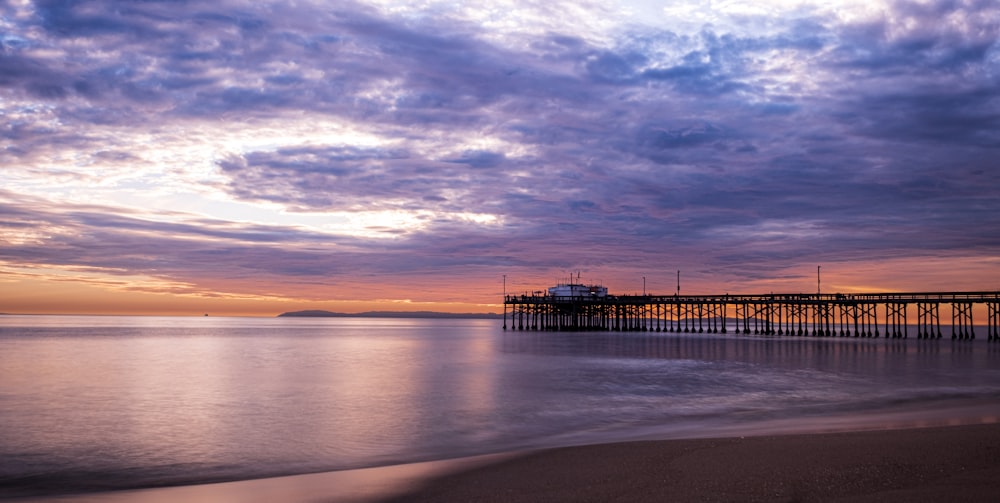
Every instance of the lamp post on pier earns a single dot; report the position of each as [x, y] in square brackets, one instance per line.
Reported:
[817, 282]
[505, 302]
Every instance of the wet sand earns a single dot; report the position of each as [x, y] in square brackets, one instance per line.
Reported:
[950, 463]
[955, 463]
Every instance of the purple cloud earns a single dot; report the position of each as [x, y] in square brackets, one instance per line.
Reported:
[810, 138]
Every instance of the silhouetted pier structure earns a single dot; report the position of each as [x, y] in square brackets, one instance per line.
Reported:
[820, 315]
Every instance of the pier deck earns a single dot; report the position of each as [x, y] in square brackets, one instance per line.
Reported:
[828, 315]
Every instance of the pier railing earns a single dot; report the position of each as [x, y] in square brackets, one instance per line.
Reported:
[832, 314]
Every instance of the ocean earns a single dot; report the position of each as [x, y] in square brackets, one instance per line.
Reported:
[97, 403]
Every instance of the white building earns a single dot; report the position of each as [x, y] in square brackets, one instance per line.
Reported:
[577, 290]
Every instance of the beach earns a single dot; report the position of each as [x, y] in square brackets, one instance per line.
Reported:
[956, 463]
[943, 463]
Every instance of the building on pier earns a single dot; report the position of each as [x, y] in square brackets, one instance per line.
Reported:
[578, 290]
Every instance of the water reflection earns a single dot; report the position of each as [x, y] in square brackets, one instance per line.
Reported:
[701, 384]
[832, 352]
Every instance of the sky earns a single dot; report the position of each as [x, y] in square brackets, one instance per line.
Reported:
[254, 157]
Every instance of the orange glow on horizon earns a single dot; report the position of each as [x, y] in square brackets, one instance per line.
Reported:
[25, 291]
[41, 296]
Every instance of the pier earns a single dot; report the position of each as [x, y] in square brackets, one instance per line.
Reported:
[578, 307]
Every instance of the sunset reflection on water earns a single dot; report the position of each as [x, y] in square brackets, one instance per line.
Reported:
[97, 402]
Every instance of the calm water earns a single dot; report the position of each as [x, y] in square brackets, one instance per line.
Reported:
[92, 403]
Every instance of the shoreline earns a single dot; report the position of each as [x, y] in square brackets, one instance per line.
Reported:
[361, 485]
[893, 462]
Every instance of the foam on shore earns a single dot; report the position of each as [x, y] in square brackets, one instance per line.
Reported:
[348, 486]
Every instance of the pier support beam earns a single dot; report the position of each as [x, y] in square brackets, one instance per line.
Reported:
[928, 321]
[993, 324]
[961, 321]
[895, 320]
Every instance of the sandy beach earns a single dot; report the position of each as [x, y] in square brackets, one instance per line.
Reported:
[944, 463]
[957, 463]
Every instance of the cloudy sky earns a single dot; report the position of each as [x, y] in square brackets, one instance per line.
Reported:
[253, 157]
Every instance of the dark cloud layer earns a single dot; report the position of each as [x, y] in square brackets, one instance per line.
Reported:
[815, 139]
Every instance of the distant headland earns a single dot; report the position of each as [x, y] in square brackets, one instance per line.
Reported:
[316, 313]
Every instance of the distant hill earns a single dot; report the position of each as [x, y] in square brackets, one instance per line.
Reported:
[315, 313]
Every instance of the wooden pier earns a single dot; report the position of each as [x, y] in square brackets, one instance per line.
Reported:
[819, 315]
